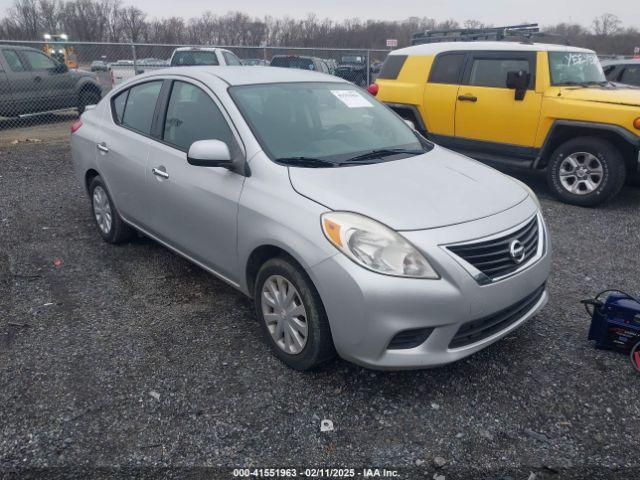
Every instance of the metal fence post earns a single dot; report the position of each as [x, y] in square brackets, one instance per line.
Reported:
[264, 53]
[368, 67]
[135, 59]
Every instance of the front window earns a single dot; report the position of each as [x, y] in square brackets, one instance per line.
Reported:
[575, 68]
[324, 124]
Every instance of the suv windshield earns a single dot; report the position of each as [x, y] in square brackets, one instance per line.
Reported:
[324, 124]
[575, 68]
[194, 57]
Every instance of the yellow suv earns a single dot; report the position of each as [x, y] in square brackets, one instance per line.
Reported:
[521, 104]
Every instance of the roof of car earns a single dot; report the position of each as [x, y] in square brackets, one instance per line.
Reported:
[242, 75]
[435, 48]
[195, 49]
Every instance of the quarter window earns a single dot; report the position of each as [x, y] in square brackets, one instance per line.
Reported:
[392, 66]
[118, 105]
[447, 68]
[12, 58]
[38, 61]
[191, 116]
[492, 72]
[139, 106]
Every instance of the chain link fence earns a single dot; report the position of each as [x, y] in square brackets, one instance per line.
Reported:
[38, 95]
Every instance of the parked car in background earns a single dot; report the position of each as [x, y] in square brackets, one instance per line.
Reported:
[523, 105]
[201, 56]
[255, 62]
[626, 72]
[300, 62]
[350, 231]
[99, 66]
[353, 68]
[32, 82]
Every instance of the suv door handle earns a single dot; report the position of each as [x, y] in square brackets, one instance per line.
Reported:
[160, 173]
[467, 98]
[102, 147]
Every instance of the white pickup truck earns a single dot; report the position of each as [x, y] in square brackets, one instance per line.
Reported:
[184, 56]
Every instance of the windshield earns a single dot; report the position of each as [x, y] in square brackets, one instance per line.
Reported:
[189, 58]
[575, 68]
[327, 123]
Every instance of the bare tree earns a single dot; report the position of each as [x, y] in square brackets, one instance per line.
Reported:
[133, 23]
[606, 25]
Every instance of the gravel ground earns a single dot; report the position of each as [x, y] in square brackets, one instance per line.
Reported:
[130, 357]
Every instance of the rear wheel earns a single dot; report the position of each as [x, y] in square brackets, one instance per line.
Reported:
[110, 225]
[586, 171]
[292, 316]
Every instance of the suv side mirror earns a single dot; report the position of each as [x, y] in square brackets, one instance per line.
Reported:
[209, 153]
[518, 81]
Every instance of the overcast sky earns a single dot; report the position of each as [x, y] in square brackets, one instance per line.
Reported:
[498, 12]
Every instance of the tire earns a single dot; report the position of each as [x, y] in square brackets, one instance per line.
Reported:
[87, 97]
[318, 347]
[589, 189]
[117, 231]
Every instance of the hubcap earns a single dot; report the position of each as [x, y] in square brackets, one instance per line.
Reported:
[102, 209]
[284, 314]
[581, 173]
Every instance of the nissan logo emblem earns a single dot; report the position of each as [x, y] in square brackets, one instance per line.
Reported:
[516, 251]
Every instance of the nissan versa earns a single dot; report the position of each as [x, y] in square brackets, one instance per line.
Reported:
[352, 233]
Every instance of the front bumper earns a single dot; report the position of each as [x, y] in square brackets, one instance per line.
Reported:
[366, 310]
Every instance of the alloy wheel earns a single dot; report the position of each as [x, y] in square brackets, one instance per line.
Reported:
[102, 209]
[581, 173]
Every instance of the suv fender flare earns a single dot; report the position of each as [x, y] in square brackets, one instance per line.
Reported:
[555, 138]
[87, 83]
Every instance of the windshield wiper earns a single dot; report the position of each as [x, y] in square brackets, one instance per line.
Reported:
[381, 153]
[308, 162]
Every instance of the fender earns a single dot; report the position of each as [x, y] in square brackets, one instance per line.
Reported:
[87, 82]
[545, 150]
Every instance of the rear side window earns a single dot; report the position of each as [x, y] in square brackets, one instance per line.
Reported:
[392, 66]
[447, 68]
[139, 107]
[191, 116]
[12, 58]
[631, 75]
[492, 72]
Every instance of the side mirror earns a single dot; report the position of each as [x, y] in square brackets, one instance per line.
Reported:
[518, 81]
[410, 124]
[209, 153]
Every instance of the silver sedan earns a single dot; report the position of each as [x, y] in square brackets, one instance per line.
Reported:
[351, 232]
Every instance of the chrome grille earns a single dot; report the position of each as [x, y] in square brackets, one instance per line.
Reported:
[494, 257]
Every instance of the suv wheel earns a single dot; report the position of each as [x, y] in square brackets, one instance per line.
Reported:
[292, 316]
[110, 226]
[586, 171]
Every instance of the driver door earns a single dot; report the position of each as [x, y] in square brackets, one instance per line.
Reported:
[54, 87]
[487, 111]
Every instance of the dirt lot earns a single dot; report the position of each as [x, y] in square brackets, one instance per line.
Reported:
[130, 357]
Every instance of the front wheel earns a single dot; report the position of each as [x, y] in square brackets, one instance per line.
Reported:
[292, 316]
[586, 171]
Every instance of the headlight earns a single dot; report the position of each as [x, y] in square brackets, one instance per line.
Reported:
[375, 246]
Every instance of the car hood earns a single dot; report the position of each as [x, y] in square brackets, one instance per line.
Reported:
[620, 95]
[436, 189]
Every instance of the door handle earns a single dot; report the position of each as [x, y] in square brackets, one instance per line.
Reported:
[102, 147]
[467, 98]
[160, 173]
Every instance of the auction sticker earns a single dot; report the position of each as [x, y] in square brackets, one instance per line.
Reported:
[352, 99]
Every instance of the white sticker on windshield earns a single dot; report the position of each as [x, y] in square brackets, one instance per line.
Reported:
[352, 99]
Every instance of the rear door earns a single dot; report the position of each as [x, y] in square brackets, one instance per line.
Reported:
[630, 75]
[441, 93]
[124, 147]
[23, 89]
[6, 99]
[487, 111]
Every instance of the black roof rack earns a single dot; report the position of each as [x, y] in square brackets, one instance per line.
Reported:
[524, 32]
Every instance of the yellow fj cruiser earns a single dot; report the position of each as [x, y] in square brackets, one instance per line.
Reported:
[521, 104]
